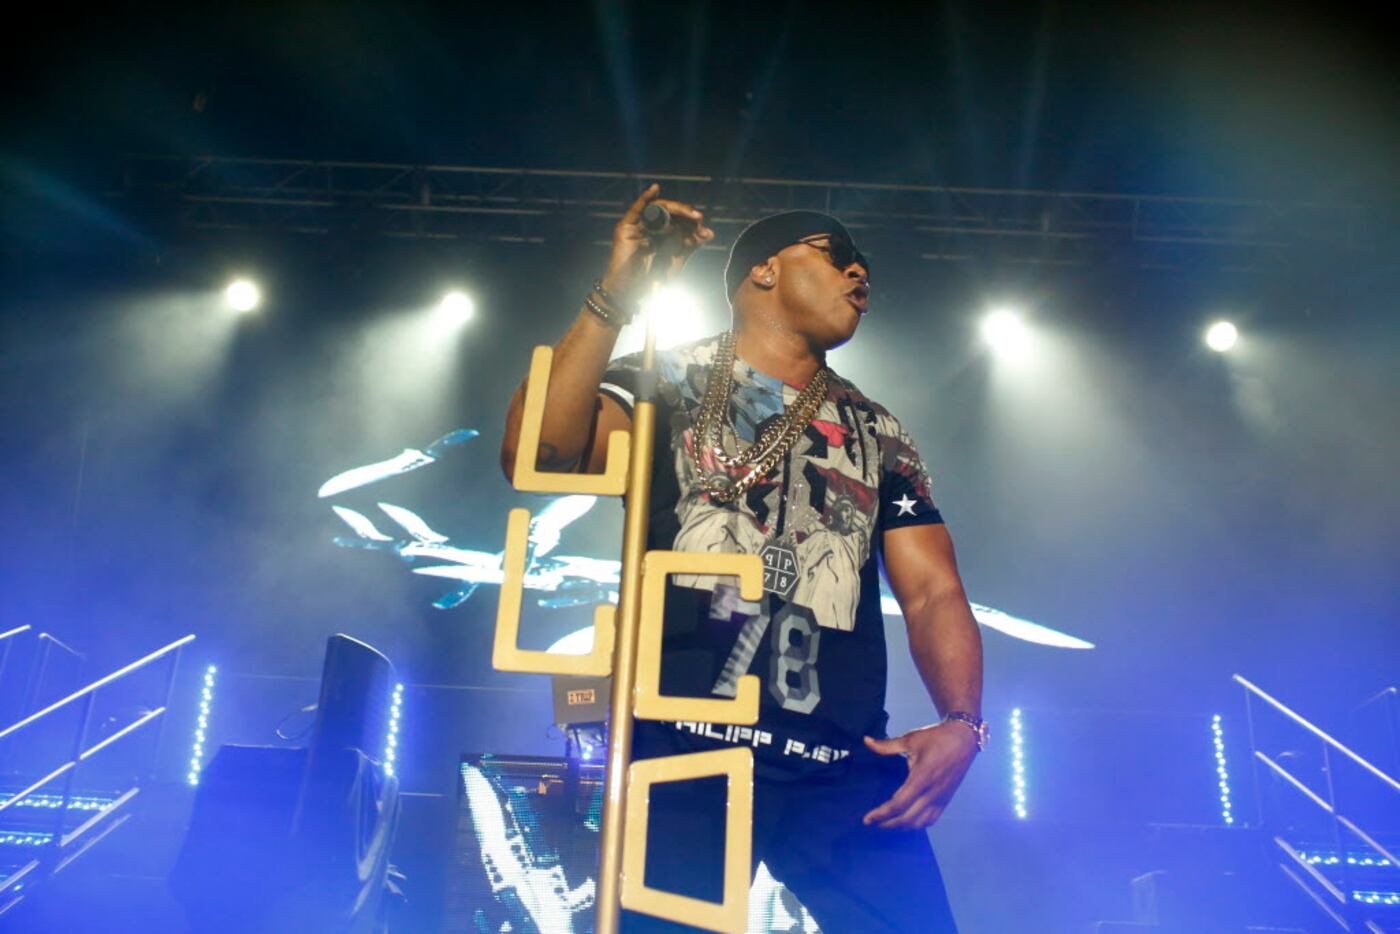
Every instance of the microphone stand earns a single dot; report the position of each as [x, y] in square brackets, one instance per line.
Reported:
[634, 541]
[635, 662]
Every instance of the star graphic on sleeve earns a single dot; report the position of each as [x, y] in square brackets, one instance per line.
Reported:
[906, 505]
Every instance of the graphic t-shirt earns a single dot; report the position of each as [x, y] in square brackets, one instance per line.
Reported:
[817, 638]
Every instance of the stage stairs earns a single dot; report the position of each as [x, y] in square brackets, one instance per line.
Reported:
[72, 771]
[1331, 815]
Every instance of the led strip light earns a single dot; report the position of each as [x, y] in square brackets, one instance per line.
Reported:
[1018, 766]
[1222, 774]
[201, 728]
[391, 743]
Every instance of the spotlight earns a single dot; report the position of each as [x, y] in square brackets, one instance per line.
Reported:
[1221, 336]
[1006, 333]
[675, 315]
[669, 305]
[456, 309]
[451, 314]
[242, 295]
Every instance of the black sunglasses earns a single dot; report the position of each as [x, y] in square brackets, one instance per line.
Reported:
[840, 251]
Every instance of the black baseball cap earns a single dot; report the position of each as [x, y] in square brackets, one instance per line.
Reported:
[768, 236]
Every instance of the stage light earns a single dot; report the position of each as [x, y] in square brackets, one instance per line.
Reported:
[25, 838]
[242, 295]
[391, 742]
[54, 802]
[1332, 858]
[201, 727]
[1018, 766]
[1006, 333]
[1222, 775]
[677, 318]
[1221, 336]
[1371, 897]
[675, 315]
[455, 310]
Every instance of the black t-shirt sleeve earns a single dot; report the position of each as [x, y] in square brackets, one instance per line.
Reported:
[906, 492]
[620, 381]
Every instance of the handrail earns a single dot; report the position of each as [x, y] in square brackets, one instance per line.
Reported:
[86, 754]
[1316, 899]
[1367, 839]
[1281, 708]
[1310, 869]
[1351, 917]
[5, 638]
[99, 683]
[1289, 777]
[61, 644]
[1376, 696]
[66, 844]
[97, 818]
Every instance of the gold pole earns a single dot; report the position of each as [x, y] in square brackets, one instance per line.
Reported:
[634, 545]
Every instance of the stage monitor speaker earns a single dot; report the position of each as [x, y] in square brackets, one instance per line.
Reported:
[298, 839]
[352, 711]
[525, 857]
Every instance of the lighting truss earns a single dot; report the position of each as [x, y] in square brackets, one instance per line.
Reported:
[930, 222]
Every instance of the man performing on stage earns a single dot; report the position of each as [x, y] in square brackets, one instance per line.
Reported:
[762, 449]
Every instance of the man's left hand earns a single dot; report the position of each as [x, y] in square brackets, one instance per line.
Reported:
[939, 757]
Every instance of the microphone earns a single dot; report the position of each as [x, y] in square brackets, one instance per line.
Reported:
[656, 221]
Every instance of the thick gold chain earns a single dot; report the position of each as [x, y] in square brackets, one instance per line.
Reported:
[771, 445]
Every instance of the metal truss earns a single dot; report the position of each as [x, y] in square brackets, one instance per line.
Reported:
[320, 198]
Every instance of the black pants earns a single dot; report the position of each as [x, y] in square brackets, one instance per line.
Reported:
[852, 878]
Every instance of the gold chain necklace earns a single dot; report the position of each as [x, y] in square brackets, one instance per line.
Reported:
[771, 446]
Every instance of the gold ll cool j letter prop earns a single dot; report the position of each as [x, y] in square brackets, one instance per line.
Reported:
[627, 645]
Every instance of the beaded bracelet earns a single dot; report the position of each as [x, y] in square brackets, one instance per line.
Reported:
[611, 318]
[605, 307]
[613, 301]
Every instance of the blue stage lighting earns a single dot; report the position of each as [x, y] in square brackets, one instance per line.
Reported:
[1370, 897]
[201, 726]
[54, 802]
[1333, 858]
[25, 838]
[1222, 774]
[1018, 766]
[391, 742]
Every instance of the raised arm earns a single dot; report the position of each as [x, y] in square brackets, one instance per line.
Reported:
[577, 418]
